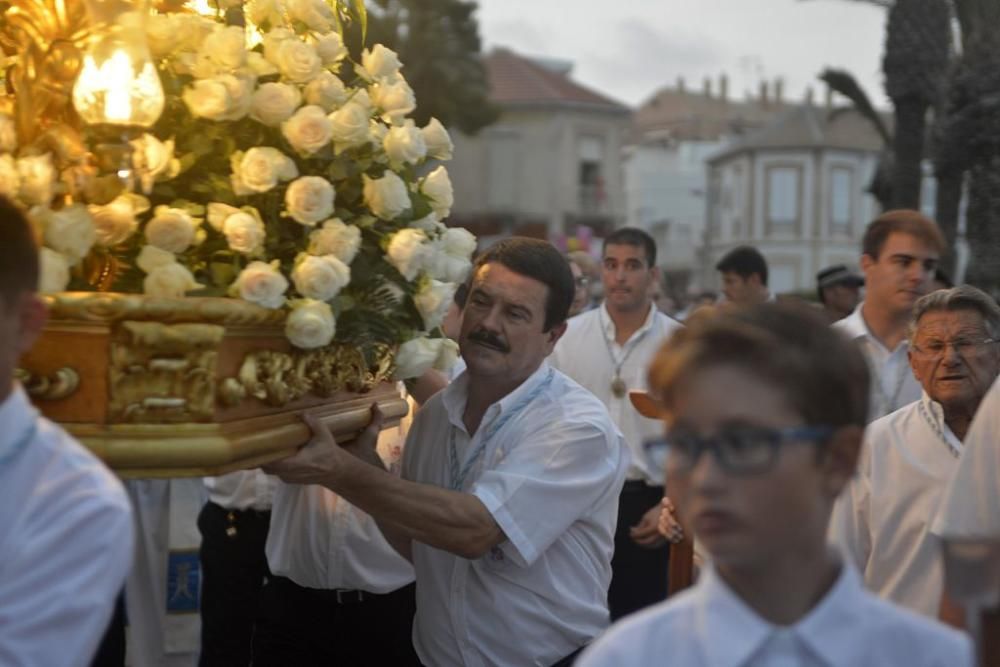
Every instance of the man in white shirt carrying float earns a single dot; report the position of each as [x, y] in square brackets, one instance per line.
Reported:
[66, 535]
[608, 350]
[910, 456]
[899, 254]
[510, 485]
[755, 453]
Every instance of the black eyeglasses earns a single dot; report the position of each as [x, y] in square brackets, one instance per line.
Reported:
[740, 451]
[966, 348]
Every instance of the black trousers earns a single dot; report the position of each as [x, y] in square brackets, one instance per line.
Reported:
[638, 575]
[307, 627]
[111, 651]
[233, 569]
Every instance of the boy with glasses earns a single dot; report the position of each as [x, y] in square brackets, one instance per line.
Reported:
[764, 410]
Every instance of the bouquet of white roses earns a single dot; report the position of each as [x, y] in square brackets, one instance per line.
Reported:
[285, 174]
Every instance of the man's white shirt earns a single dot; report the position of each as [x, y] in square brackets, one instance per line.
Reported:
[883, 519]
[708, 625]
[971, 505]
[893, 384]
[583, 354]
[66, 541]
[319, 540]
[242, 490]
[550, 477]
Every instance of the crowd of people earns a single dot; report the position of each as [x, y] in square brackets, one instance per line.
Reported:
[819, 457]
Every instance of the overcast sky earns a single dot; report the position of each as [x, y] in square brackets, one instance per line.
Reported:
[628, 49]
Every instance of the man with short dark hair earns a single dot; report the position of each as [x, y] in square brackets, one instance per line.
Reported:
[744, 276]
[839, 290]
[900, 252]
[756, 453]
[607, 350]
[510, 485]
[66, 534]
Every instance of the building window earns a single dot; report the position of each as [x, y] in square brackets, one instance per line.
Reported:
[841, 199]
[783, 196]
[590, 155]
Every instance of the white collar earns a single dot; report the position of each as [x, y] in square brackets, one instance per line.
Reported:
[455, 396]
[18, 417]
[611, 331]
[936, 413]
[855, 326]
[825, 629]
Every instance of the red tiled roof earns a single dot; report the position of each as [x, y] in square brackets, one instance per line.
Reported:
[516, 80]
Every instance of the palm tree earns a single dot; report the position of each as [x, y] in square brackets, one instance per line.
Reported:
[917, 55]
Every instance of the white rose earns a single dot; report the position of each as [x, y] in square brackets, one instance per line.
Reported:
[404, 144]
[316, 14]
[415, 356]
[386, 197]
[260, 65]
[245, 233]
[350, 126]
[330, 48]
[151, 258]
[437, 188]
[262, 284]
[320, 278]
[310, 199]
[274, 103]
[378, 131]
[433, 301]
[407, 251]
[310, 325]
[298, 61]
[459, 242]
[171, 229]
[226, 47]
[260, 169]
[53, 271]
[216, 214]
[395, 100]
[336, 238]
[266, 11]
[170, 280]
[380, 63]
[192, 30]
[447, 355]
[8, 134]
[451, 260]
[10, 177]
[326, 91]
[116, 221]
[37, 179]
[161, 34]
[154, 160]
[272, 41]
[438, 141]
[224, 97]
[69, 231]
[308, 130]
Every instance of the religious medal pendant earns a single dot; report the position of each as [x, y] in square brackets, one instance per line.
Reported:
[618, 387]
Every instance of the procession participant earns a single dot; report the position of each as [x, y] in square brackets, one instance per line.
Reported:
[899, 254]
[65, 525]
[910, 455]
[608, 350]
[510, 483]
[744, 276]
[755, 455]
[839, 291]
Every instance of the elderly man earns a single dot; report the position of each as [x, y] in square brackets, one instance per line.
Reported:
[510, 485]
[884, 518]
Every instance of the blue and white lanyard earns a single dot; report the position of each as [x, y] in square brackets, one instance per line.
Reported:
[460, 473]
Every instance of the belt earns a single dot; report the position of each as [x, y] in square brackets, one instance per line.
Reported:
[638, 485]
[331, 596]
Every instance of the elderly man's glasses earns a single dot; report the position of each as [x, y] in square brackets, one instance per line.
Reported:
[931, 350]
[740, 451]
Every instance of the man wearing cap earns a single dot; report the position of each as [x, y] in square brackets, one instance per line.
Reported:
[839, 291]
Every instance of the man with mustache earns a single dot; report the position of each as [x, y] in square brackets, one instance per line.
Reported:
[510, 484]
[608, 350]
[899, 254]
[883, 520]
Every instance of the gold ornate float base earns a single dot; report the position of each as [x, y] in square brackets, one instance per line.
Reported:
[195, 386]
